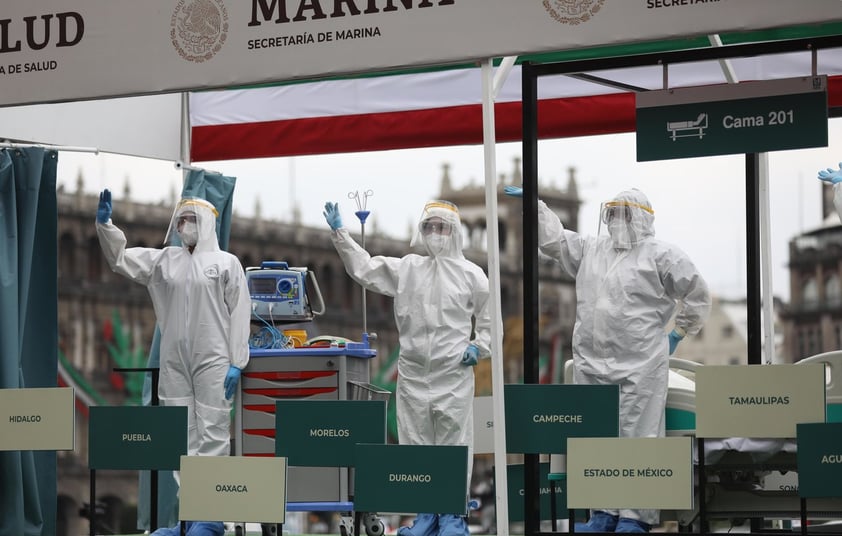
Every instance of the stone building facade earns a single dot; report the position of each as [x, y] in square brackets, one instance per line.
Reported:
[813, 318]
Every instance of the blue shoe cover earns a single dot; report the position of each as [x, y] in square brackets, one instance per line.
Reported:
[205, 528]
[453, 525]
[194, 528]
[599, 522]
[167, 531]
[424, 525]
[626, 524]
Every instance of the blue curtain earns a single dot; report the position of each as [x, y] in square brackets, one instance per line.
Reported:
[219, 190]
[28, 326]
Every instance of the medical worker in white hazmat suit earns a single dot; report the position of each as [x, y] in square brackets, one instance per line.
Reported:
[834, 177]
[436, 295]
[628, 285]
[203, 310]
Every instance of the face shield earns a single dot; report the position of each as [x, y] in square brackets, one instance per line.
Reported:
[193, 223]
[627, 219]
[439, 229]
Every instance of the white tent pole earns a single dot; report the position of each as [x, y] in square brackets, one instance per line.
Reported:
[11, 145]
[727, 68]
[766, 261]
[184, 139]
[184, 150]
[501, 485]
[501, 75]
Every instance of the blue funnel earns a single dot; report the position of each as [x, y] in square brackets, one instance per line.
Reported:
[362, 215]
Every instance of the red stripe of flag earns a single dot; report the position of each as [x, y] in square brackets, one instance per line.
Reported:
[435, 127]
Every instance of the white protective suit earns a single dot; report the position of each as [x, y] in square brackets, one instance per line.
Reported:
[435, 297]
[837, 198]
[203, 309]
[628, 285]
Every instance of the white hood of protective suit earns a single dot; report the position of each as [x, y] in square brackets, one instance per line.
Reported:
[435, 244]
[206, 215]
[626, 233]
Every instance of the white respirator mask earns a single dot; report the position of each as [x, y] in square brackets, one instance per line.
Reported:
[189, 234]
[436, 243]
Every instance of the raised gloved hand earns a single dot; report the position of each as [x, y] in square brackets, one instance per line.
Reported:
[674, 338]
[103, 211]
[514, 191]
[332, 216]
[231, 379]
[470, 356]
[831, 175]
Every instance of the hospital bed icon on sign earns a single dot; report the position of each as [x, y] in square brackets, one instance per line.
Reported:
[687, 129]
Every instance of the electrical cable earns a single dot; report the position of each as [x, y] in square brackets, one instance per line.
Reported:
[268, 336]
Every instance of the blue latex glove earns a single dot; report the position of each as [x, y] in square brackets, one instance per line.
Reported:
[103, 211]
[514, 191]
[332, 216]
[831, 175]
[231, 380]
[470, 356]
[674, 338]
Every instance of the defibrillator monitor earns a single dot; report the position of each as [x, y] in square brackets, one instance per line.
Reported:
[278, 293]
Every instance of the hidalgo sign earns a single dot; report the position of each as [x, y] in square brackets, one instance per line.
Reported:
[100, 48]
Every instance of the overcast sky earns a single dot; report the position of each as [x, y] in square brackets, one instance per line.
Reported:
[699, 203]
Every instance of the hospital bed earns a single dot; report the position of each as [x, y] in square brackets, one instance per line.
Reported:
[745, 478]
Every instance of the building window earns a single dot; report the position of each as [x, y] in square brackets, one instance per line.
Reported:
[727, 331]
[809, 293]
[67, 256]
[95, 260]
[837, 333]
[812, 341]
[832, 291]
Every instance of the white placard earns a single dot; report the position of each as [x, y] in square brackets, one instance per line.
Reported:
[483, 425]
[759, 401]
[233, 488]
[37, 419]
[630, 472]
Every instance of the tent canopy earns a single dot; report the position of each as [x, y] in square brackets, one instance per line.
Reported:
[443, 107]
[402, 109]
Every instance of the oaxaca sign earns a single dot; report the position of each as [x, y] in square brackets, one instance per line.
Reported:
[81, 49]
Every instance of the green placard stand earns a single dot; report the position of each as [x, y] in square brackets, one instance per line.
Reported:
[819, 463]
[540, 418]
[135, 438]
[323, 433]
[411, 478]
[515, 479]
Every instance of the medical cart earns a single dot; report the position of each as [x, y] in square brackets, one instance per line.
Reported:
[323, 373]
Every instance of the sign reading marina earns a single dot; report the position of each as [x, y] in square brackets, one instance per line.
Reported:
[750, 117]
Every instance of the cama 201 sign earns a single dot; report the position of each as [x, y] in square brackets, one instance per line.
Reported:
[761, 116]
